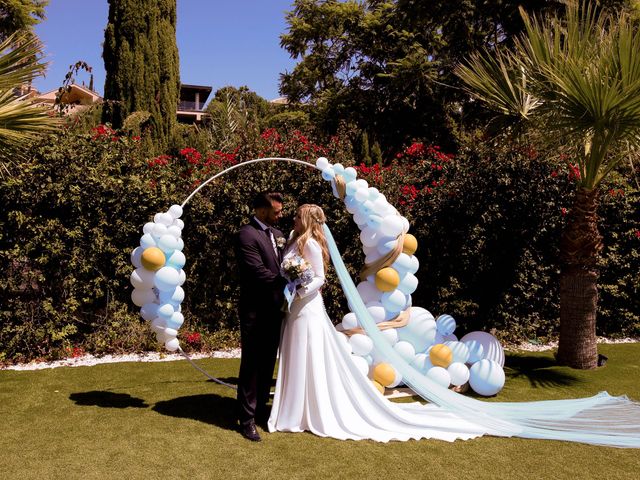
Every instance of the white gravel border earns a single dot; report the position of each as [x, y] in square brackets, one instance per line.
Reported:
[90, 360]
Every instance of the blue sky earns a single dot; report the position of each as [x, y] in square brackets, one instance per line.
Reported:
[221, 42]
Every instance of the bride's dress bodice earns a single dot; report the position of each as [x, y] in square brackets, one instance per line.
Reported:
[320, 389]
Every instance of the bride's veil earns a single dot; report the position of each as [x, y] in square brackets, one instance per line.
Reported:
[600, 420]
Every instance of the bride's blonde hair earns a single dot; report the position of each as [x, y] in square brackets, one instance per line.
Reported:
[311, 219]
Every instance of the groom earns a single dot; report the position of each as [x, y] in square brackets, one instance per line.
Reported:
[258, 253]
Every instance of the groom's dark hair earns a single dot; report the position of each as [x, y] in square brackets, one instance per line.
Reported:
[264, 199]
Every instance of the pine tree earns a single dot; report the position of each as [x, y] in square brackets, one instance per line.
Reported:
[141, 61]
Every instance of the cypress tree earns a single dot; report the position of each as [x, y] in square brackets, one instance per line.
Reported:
[141, 61]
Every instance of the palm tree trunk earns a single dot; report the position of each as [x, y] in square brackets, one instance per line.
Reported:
[579, 248]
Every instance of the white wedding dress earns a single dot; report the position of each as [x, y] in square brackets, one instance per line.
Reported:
[320, 389]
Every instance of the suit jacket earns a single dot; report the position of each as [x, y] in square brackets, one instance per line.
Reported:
[261, 284]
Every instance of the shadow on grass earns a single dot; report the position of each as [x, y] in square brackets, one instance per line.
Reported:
[208, 408]
[540, 371]
[107, 399]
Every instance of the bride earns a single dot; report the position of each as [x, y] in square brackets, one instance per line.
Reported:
[319, 388]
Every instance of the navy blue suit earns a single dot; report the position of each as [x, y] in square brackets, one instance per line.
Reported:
[260, 311]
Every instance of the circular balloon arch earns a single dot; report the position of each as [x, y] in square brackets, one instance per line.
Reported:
[386, 283]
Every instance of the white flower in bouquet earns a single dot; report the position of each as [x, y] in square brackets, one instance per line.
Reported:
[297, 270]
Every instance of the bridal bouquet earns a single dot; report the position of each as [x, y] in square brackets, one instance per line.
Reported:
[298, 272]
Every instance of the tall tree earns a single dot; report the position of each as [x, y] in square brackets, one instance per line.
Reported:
[141, 62]
[19, 16]
[575, 78]
[387, 65]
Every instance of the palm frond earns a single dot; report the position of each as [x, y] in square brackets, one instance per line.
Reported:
[19, 60]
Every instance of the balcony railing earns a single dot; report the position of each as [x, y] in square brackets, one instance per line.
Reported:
[186, 106]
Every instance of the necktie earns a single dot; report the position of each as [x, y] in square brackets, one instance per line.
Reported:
[273, 239]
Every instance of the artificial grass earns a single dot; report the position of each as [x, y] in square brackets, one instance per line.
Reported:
[152, 420]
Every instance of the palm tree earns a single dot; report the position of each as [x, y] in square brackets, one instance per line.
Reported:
[577, 78]
[20, 120]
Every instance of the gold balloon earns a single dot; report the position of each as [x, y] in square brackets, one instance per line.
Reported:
[384, 374]
[410, 244]
[153, 258]
[387, 279]
[440, 355]
[378, 386]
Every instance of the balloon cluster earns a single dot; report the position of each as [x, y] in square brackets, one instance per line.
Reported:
[388, 280]
[158, 276]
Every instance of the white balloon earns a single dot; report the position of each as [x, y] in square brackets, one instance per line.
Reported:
[351, 203]
[165, 311]
[361, 195]
[360, 218]
[178, 223]
[408, 284]
[405, 350]
[415, 264]
[391, 335]
[385, 246]
[349, 321]
[159, 229]
[166, 279]
[180, 244]
[176, 260]
[368, 292]
[140, 296]
[182, 277]
[158, 324]
[361, 363]
[361, 344]
[369, 237]
[362, 183]
[136, 257]
[165, 219]
[142, 278]
[440, 376]
[491, 348]
[148, 227]
[322, 163]
[172, 345]
[175, 321]
[175, 231]
[402, 264]
[156, 217]
[459, 373]
[391, 226]
[377, 311]
[486, 377]
[422, 363]
[175, 211]
[405, 225]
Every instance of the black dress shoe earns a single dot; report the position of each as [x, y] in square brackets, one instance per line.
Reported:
[249, 431]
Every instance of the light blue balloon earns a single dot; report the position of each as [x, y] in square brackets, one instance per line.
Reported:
[177, 260]
[351, 203]
[328, 173]
[166, 279]
[351, 188]
[349, 174]
[168, 243]
[373, 193]
[175, 321]
[476, 350]
[459, 350]
[338, 168]
[366, 207]
[175, 297]
[446, 325]
[149, 311]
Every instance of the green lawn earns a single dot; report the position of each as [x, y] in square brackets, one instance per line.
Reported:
[153, 420]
